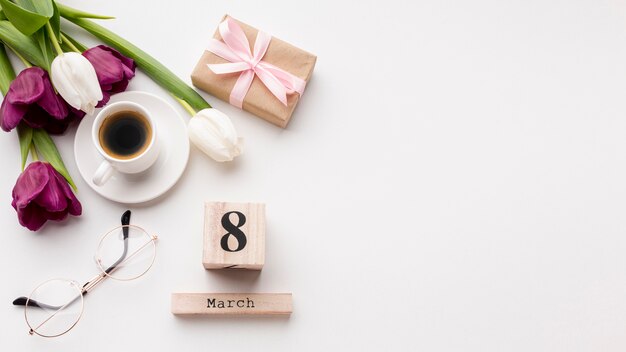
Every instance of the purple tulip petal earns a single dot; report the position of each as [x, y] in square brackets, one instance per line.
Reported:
[74, 207]
[27, 87]
[129, 71]
[51, 102]
[113, 69]
[41, 194]
[29, 184]
[52, 198]
[32, 98]
[119, 86]
[57, 216]
[109, 69]
[57, 127]
[32, 217]
[11, 115]
[75, 113]
[36, 117]
[129, 64]
[105, 99]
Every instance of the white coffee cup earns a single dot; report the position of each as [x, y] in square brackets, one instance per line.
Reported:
[112, 164]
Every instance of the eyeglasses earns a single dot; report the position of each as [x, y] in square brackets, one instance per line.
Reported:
[54, 307]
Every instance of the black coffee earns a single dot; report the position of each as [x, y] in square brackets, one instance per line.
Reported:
[125, 134]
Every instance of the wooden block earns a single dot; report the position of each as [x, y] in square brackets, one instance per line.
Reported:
[234, 235]
[231, 303]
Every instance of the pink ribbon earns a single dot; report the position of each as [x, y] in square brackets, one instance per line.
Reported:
[236, 49]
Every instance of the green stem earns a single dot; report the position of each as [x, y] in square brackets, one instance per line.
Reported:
[7, 74]
[54, 39]
[69, 43]
[25, 136]
[186, 105]
[33, 152]
[24, 61]
[153, 68]
[49, 152]
[68, 38]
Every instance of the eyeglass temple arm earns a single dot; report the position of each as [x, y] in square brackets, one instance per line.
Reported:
[97, 279]
[22, 301]
[125, 222]
[89, 285]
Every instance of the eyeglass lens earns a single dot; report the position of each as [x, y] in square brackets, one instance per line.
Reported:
[126, 253]
[54, 308]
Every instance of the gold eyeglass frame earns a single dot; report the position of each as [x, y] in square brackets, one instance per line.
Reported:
[93, 282]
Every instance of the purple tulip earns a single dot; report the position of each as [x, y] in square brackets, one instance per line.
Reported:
[32, 99]
[41, 194]
[113, 69]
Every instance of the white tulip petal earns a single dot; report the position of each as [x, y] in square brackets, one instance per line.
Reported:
[62, 83]
[86, 78]
[212, 132]
[205, 138]
[75, 79]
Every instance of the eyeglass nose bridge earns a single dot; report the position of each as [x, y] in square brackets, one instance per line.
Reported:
[93, 283]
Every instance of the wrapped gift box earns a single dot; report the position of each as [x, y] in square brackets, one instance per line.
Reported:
[258, 100]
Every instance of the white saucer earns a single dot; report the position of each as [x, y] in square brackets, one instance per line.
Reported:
[160, 177]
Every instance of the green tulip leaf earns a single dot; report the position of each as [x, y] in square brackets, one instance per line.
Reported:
[55, 21]
[42, 7]
[7, 74]
[28, 16]
[48, 150]
[45, 47]
[25, 134]
[25, 45]
[75, 13]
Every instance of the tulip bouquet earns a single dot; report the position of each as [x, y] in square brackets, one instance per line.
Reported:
[63, 80]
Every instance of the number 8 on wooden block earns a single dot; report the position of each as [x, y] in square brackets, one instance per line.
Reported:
[234, 235]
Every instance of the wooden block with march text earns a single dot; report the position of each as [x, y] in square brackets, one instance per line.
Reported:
[234, 235]
[231, 303]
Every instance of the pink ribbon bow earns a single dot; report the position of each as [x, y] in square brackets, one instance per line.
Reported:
[236, 49]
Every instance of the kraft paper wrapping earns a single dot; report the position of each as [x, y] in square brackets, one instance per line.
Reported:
[259, 100]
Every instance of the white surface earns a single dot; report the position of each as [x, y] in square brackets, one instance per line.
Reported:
[454, 179]
[160, 177]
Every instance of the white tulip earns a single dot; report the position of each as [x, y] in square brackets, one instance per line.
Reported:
[75, 79]
[212, 132]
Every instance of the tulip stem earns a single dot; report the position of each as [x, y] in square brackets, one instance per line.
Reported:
[54, 39]
[33, 152]
[24, 61]
[186, 105]
[80, 46]
[69, 43]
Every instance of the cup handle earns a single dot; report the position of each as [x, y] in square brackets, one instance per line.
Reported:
[103, 173]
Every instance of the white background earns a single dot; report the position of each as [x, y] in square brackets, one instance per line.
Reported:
[454, 179]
